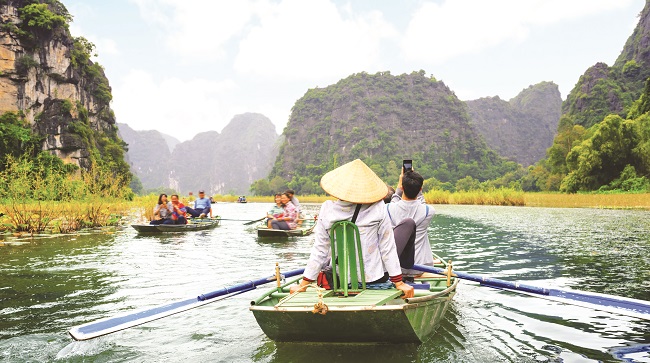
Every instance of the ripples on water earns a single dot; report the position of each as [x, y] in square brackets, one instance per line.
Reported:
[53, 284]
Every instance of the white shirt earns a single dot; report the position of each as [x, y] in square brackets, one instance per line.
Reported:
[398, 209]
[377, 240]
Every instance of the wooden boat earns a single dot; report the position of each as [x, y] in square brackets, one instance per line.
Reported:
[305, 229]
[194, 224]
[370, 316]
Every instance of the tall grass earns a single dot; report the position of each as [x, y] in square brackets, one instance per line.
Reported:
[501, 196]
[595, 200]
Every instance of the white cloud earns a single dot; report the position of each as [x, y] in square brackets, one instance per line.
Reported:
[197, 30]
[438, 33]
[181, 108]
[312, 39]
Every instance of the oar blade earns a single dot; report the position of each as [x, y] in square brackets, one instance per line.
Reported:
[611, 303]
[114, 324]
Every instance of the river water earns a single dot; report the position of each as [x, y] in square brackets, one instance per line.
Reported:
[50, 285]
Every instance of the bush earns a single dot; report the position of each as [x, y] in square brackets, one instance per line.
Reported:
[24, 64]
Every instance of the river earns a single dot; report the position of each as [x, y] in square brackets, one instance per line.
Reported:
[51, 284]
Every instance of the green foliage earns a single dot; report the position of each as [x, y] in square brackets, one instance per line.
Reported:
[81, 51]
[628, 181]
[24, 64]
[381, 119]
[38, 17]
[16, 137]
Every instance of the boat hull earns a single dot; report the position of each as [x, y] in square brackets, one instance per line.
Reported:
[406, 323]
[196, 225]
[372, 316]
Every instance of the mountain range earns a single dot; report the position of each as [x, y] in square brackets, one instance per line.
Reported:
[219, 163]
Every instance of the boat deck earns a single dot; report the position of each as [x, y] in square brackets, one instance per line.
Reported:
[364, 298]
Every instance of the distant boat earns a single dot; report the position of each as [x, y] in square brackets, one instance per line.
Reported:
[242, 199]
[195, 224]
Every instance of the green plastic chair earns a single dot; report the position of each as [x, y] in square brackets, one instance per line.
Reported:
[346, 255]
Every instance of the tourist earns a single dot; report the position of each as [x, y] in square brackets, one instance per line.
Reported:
[358, 190]
[202, 206]
[276, 212]
[162, 211]
[289, 218]
[408, 206]
[179, 212]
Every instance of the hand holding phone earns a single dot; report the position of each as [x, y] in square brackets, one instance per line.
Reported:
[407, 164]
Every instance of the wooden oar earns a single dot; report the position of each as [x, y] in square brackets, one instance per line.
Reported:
[621, 305]
[255, 221]
[129, 320]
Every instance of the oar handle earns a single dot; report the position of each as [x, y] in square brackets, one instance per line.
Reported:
[249, 285]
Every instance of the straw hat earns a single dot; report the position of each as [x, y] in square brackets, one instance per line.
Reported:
[354, 182]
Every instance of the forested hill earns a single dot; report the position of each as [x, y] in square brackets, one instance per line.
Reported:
[522, 128]
[218, 163]
[603, 138]
[382, 119]
[602, 89]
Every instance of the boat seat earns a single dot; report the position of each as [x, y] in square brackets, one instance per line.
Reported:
[347, 259]
[364, 298]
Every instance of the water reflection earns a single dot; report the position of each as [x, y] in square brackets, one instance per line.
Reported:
[50, 285]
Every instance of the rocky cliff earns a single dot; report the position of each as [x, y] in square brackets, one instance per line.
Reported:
[218, 163]
[47, 76]
[382, 119]
[522, 128]
[603, 90]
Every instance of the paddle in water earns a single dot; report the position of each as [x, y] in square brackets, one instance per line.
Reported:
[113, 324]
[618, 304]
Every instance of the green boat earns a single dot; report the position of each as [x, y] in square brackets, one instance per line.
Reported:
[353, 312]
[194, 224]
[305, 229]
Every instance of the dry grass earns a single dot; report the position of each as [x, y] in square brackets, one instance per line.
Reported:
[610, 201]
[476, 197]
[312, 198]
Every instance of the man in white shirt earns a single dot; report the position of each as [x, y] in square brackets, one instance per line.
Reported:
[355, 184]
[408, 203]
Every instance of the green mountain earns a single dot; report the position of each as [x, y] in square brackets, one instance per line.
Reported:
[603, 90]
[603, 137]
[520, 129]
[383, 119]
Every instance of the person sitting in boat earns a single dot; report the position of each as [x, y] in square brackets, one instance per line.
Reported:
[202, 206]
[407, 204]
[162, 211]
[179, 212]
[289, 217]
[276, 212]
[359, 191]
[292, 195]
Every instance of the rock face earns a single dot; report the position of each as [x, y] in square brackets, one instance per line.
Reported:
[39, 78]
[604, 90]
[522, 128]
[148, 154]
[217, 163]
[382, 119]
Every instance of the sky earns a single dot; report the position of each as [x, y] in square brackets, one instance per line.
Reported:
[188, 66]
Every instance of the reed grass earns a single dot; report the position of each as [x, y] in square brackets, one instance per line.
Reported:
[502, 196]
[595, 200]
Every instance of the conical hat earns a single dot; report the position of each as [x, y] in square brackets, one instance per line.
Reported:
[354, 182]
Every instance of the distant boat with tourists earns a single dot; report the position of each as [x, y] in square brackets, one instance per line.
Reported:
[194, 224]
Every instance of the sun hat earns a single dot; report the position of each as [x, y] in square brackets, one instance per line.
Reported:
[354, 182]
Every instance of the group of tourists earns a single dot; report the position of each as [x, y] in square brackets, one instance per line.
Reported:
[285, 214]
[175, 212]
[393, 235]
[392, 223]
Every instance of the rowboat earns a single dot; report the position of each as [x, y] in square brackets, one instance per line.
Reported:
[194, 224]
[369, 316]
[305, 229]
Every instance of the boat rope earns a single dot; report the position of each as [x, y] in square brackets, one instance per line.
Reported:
[319, 307]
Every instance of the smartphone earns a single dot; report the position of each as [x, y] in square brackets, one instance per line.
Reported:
[407, 165]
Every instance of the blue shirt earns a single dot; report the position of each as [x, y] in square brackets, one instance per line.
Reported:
[202, 203]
